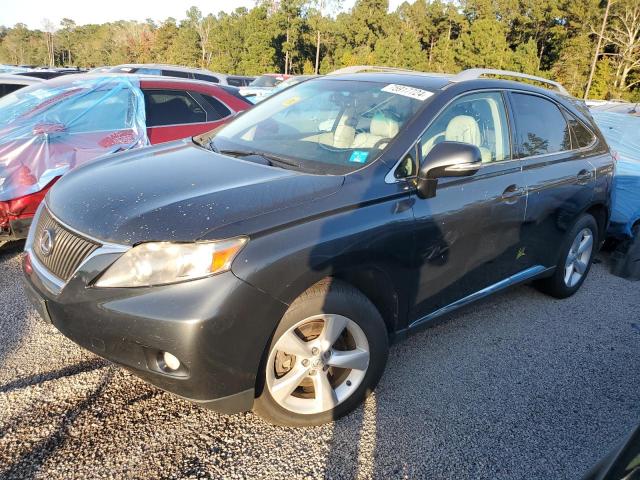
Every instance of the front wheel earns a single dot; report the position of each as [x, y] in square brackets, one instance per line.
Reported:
[325, 357]
[576, 258]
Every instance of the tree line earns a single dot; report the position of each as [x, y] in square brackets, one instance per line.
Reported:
[589, 45]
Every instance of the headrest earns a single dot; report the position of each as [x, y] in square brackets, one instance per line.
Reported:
[382, 126]
[463, 128]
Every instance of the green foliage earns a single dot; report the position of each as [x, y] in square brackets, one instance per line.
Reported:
[553, 38]
[572, 68]
[484, 44]
[603, 81]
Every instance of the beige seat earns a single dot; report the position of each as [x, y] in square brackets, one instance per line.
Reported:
[342, 137]
[381, 128]
[465, 129]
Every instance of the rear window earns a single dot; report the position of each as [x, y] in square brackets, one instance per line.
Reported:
[266, 81]
[235, 82]
[176, 73]
[149, 71]
[540, 126]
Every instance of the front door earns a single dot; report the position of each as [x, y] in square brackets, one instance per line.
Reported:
[469, 235]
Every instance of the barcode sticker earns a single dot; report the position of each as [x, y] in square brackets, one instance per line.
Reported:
[405, 91]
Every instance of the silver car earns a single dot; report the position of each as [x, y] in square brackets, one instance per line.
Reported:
[182, 72]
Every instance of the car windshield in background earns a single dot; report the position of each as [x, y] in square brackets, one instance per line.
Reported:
[323, 126]
[265, 81]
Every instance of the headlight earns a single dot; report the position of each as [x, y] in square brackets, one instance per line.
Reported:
[159, 263]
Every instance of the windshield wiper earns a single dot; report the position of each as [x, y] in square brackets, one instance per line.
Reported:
[273, 160]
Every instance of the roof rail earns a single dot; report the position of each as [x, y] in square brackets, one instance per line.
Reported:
[475, 73]
[369, 68]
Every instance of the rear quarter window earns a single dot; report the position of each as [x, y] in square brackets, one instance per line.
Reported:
[216, 110]
[583, 137]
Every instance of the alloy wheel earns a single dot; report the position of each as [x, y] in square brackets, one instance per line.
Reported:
[317, 364]
[578, 257]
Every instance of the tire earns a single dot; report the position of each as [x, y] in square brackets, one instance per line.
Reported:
[562, 283]
[625, 260]
[308, 328]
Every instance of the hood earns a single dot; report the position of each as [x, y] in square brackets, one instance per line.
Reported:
[176, 192]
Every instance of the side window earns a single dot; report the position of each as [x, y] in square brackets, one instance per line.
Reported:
[235, 82]
[582, 136]
[540, 126]
[206, 78]
[172, 107]
[216, 109]
[176, 73]
[479, 119]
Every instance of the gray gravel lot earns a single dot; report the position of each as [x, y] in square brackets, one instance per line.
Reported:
[519, 386]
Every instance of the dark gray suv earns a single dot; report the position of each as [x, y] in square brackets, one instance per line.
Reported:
[268, 264]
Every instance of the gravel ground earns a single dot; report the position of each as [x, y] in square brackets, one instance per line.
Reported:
[519, 386]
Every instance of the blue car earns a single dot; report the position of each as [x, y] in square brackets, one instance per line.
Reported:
[621, 129]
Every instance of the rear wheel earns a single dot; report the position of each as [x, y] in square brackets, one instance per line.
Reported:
[575, 261]
[326, 356]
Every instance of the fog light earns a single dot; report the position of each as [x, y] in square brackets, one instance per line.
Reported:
[170, 361]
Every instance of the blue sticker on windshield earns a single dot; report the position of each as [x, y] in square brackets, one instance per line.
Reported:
[359, 156]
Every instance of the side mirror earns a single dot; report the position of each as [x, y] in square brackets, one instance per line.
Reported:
[447, 159]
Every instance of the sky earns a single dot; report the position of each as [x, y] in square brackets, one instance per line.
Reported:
[33, 12]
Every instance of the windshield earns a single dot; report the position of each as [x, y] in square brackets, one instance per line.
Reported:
[324, 126]
[265, 81]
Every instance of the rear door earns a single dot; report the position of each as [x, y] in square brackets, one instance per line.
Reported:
[469, 235]
[173, 114]
[558, 175]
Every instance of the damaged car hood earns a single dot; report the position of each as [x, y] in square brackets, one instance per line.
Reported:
[176, 192]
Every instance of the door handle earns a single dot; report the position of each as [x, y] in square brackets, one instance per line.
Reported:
[584, 176]
[511, 193]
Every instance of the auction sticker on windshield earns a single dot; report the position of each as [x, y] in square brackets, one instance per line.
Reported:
[410, 92]
[290, 101]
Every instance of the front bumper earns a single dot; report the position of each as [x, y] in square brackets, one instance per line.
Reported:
[217, 327]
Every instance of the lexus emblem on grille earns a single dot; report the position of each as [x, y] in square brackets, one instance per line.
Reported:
[46, 242]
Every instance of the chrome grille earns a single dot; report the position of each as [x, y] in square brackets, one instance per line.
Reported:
[60, 250]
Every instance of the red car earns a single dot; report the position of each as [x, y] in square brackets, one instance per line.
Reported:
[38, 145]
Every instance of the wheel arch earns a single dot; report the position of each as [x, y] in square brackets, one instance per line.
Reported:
[377, 286]
[600, 212]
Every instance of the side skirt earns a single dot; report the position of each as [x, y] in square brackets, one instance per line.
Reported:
[520, 277]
